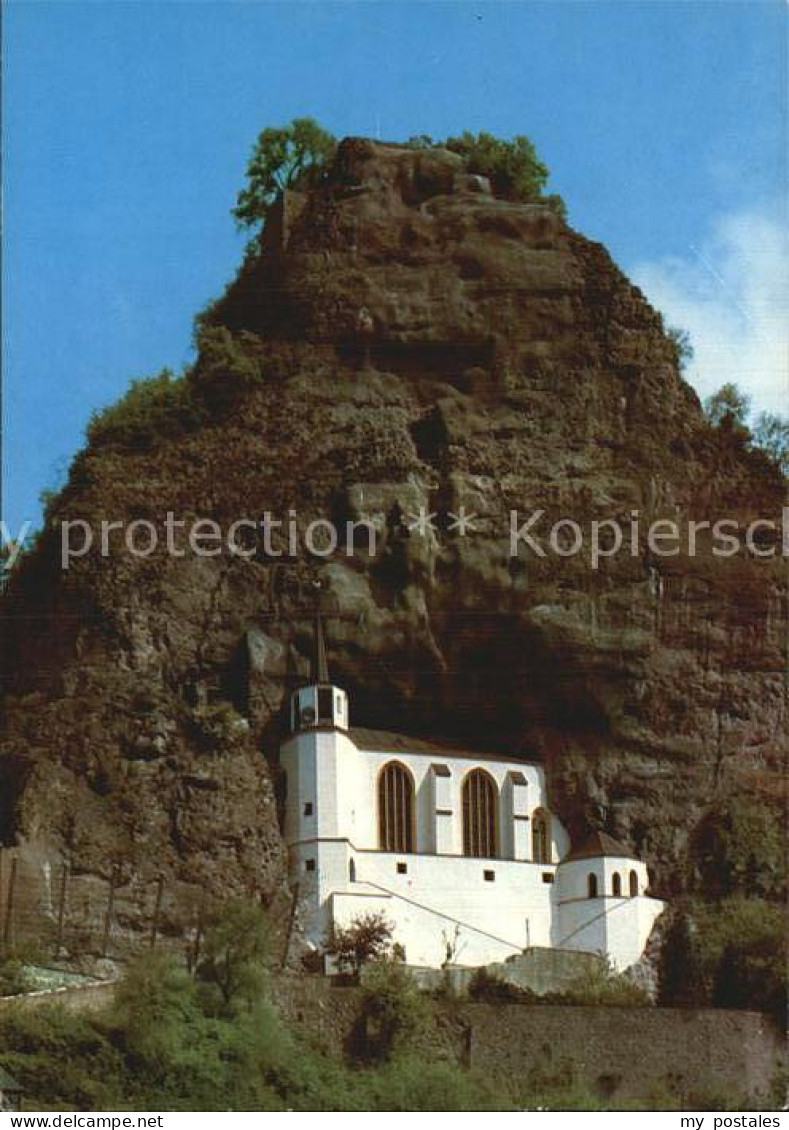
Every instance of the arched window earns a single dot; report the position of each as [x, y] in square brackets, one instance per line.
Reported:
[591, 886]
[616, 884]
[633, 884]
[541, 837]
[395, 808]
[480, 825]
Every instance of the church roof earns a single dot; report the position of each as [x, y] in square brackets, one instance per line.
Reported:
[599, 844]
[385, 741]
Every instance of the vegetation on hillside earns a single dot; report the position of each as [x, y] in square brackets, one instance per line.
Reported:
[297, 155]
[166, 406]
[213, 1041]
[727, 954]
[599, 985]
[728, 411]
[513, 168]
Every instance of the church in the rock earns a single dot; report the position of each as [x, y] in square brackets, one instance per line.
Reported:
[459, 850]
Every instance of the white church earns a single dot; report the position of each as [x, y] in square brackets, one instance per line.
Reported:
[458, 850]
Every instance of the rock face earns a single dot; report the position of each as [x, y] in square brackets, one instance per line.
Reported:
[403, 341]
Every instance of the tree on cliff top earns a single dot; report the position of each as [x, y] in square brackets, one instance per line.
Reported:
[513, 168]
[283, 157]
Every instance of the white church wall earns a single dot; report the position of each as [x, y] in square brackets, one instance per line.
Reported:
[445, 795]
[495, 917]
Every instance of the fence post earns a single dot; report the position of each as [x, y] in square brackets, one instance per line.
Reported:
[108, 915]
[291, 922]
[199, 930]
[61, 908]
[9, 905]
[156, 911]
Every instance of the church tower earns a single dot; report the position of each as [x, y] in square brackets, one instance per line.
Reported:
[319, 704]
[320, 762]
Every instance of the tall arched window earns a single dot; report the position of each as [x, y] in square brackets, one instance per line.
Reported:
[633, 884]
[616, 884]
[591, 886]
[395, 808]
[541, 837]
[480, 823]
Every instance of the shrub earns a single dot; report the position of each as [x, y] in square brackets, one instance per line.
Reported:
[228, 367]
[13, 978]
[155, 1008]
[152, 408]
[771, 435]
[513, 167]
[742, 951]
[486, 986]
[368, 937]
[393, 1011]
[598, 985]
[682, 979]
[738, 847]
[414, 1083]
[602, 985]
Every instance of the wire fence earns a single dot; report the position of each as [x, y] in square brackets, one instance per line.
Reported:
[53, 909]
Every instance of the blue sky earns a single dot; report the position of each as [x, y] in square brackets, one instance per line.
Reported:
[127, 128]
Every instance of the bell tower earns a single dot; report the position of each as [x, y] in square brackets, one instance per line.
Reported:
[319, 705]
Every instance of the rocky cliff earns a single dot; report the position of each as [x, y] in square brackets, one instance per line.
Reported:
[403, 341]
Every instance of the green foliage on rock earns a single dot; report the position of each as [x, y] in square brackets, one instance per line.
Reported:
[728, 410]
[291, 156]
[743, 953]
[228, 367]
[151, 409]
[683, 346]
[512, 166]
[771, 435]
[725, 954]
[729, 406]
[160, 408]
[738, 847]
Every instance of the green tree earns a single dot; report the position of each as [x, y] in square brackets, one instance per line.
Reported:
[234, 955]
[283, 157]
[393, 1011]
[682, 345]
[514, 169]
[729, 406]
[771, 434]
[743, 949]
[738, 847]
[681, 979]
